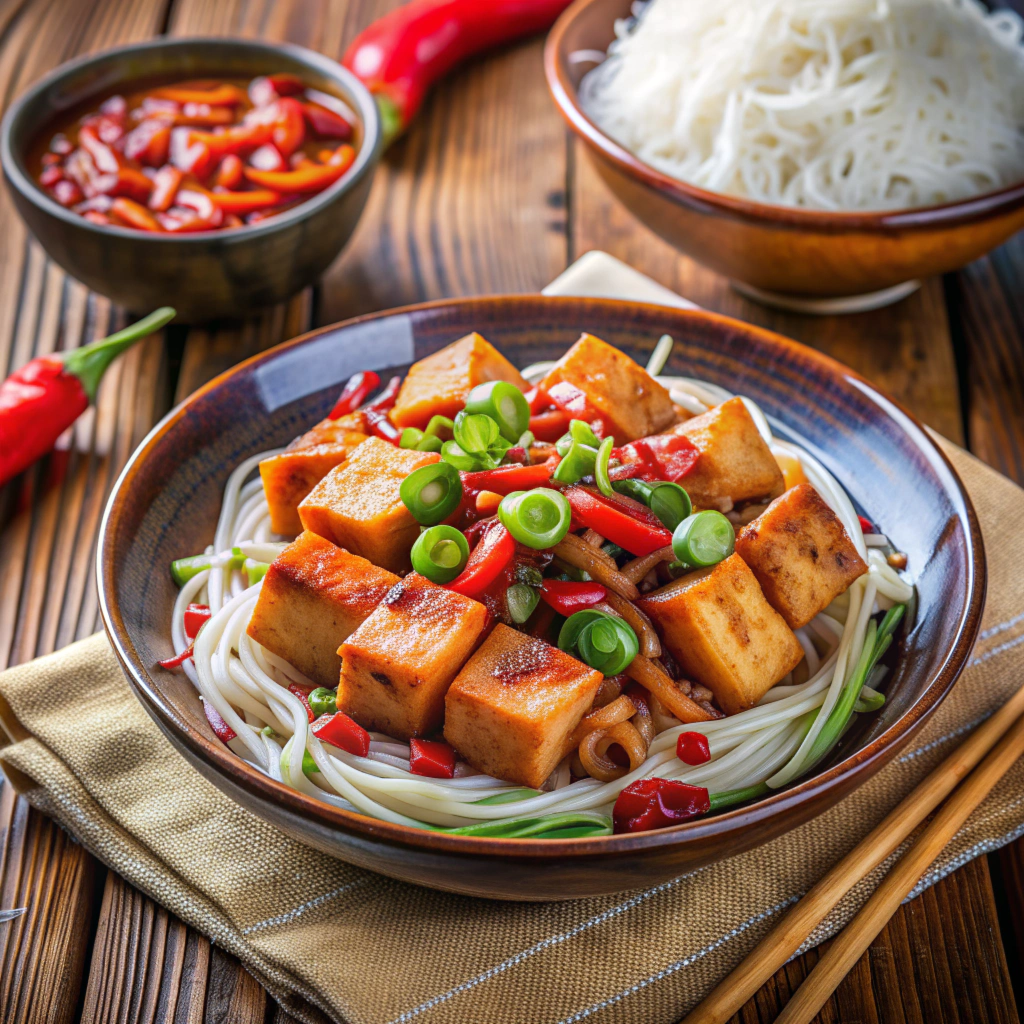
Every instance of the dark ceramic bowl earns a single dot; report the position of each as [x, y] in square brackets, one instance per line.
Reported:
[210, 274]
[167, 499]
[781, 250]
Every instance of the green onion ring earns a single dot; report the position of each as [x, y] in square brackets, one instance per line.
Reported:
[704, 538]
[604, 454]
[502, 402]
[538, 518]
[440, 553]
[432, 493]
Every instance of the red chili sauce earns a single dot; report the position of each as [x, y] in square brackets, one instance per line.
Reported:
[197, 155]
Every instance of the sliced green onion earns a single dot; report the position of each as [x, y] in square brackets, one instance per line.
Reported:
[255, 571]
[468, 462]
[583, 432]
[639, 490]
[308, 764]
[670, 503]
[474, 432]
[704, 538]
[538, 518]
[577, 462]
[508, 798]
[183, 569]
[502, 402]
[604, 455]
[526, 439]
[411, 437]
[440, 426]
[731, 797]
[440, 553]
[323, 701]
[429, 443]
[603, 641]
[537, 825]
[432, 493]
[869, 700]
[522, 601]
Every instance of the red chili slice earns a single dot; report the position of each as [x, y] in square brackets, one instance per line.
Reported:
[195, 617]
[568, 596]
[340, 731]
[487, 560]
[636, 537]
[506, 479]
[431, 758]
[303, 694]
[220, 728]
[657, 803]
[354, 393]
[692, 748]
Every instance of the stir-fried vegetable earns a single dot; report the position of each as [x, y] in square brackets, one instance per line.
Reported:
[631, 534]
[704, 538]
[440, 553]
[667, 500]
[504, 403]
[521, 600]
[431, 493]
[539, 518]
[603, 641]
[323, 701]
[487, 562]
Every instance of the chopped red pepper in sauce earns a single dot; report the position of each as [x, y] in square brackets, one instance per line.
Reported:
[692, 748]
[196, 615]
[661, 457]
[432, 758]
[657, 803]
[568, 596]
[220, 728]
[340, 731]
[198, 155]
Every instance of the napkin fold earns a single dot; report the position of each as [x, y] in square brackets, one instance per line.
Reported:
[334, 942]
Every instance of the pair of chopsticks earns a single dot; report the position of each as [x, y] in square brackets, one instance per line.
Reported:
[1001, 738]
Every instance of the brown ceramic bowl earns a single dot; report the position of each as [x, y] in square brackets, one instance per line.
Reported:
[774, 249]
[209, 274]
[165, 506]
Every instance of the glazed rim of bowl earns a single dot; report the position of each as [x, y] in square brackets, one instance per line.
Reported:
[14, 164]
[565, 95]
[852, 770]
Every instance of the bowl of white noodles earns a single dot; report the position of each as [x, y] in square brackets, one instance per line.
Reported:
[823, 154]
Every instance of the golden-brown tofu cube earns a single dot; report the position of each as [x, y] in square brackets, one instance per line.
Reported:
[290, 476]
[629, 400]
[397, 666]
[800, 554]
[357, 505]
[313, 596]
[735, 464]
[723, 633]
[438, 384]
[514, 705]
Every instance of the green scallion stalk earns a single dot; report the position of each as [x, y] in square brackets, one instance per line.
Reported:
[522, 601]
[603, 641]
[604, 455]
[255, 571]
[537, 826]
[475, 433]
[538, 518]
[731, 797]
[504, 403]
[432, 493]
[508, 798]
[577, 462]
[440, 553]
[441, 427]
[704, 538]
[183, 569]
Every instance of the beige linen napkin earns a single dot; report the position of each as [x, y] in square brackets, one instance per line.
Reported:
[329, 939]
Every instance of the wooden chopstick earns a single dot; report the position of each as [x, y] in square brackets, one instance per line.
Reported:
[783, 941]
[851, 942]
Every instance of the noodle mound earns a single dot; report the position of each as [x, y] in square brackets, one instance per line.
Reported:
[824, 104]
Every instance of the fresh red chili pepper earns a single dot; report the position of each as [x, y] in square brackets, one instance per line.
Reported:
[303, 694]
[340, 731]
[166, 183]
[326, 123]
[246, 202]
[134, 214]
[42, 399]
[354, 393]
[550, 425]
[661, 457]
[657, 803]
[692, 748]
[220, 728]
[386, 399]
[179, 659]
[195, 616]
[432, 758]
[309, 178]
[402, 54]
[866, 526]
[229, 174]
[221, 95]
[486, 562]
[506, 479]
[568, 596]
[290, 126]
[634, 536]
[381, 426]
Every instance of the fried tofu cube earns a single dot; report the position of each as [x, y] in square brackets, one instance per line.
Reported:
[724, 634]
[357, 505]
[800, 553]
[629, 400]
[290, 476]
[397, 666]
[735, 464]
[313, 596]
[438, 384]
[514, 705]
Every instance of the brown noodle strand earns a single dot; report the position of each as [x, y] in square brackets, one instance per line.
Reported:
[643, 720]
[620, 710]
[593, 538]
[636, 570]
[652, 678]
[594, 750]
[597, 564]
[650, 645]
[610, 688]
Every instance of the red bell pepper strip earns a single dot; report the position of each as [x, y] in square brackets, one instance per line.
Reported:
[340, 731]
[303, 694]
[166, 183]
[550, 425]
[386, 399]
[220, 96]
[568, 596]
[42, 399]
[692, 748]
[326, 123]
[661, 457]
[354, 393]
[196, 615]
[402, 54]
[51, 175]
[628, 506]
[126, 181]
[309, 178]
[506, 479]
[220, 728]
[134, 214]
[634, 536]
[267, 88]
[486, 562]
[229, 174]
[290, 126]
[67, 193]
[246, 202]
[431, 758]
[202, 115]
[149, 142]
[179, 659]
[657, 803]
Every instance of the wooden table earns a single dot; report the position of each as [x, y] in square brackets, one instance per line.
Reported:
[487, 194]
